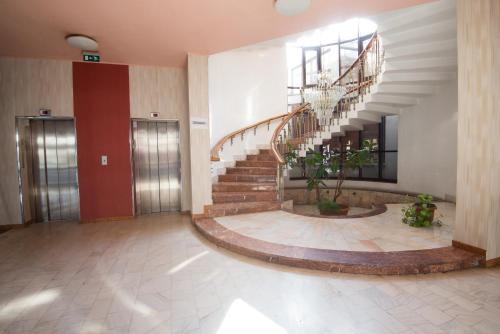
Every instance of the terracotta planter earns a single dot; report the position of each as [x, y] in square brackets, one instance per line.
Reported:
[342, 211]
[431, 207]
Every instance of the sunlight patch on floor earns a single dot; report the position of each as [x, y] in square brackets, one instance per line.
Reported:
[242, 318]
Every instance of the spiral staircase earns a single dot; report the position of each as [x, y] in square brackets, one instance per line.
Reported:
[411, 54]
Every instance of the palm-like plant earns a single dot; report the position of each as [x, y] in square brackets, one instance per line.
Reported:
[335, 164]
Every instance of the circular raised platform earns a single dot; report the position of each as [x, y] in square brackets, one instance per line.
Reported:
[368, 245]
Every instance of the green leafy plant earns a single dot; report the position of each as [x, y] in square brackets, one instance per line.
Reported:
[420, 214]
[328, 205]
[321, 165]
[291, 156]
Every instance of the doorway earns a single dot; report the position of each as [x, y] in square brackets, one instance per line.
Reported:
[156, 160]
[47, 169]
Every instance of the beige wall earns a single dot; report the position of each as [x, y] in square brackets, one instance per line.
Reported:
[201, 185]
[164, 90]
[27, 85]
[478, 174]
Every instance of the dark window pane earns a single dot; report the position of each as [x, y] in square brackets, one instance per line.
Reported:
[391, 133]
[370, 170]
[390, 165]
[370, 132]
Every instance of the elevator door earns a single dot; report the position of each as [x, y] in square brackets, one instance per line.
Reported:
[53, 181]
[156, 166]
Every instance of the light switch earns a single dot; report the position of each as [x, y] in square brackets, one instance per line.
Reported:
[104, 160]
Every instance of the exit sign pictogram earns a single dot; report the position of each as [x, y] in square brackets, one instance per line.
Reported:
[94, 58]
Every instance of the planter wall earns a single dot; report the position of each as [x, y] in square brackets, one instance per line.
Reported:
[351, 197]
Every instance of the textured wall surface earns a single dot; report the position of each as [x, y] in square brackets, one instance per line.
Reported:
[102, 113]
[27, 85]
[164, 90]
[201, 184]
[478, 174]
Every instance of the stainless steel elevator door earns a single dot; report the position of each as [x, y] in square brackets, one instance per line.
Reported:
[155, 152]
[54, 170]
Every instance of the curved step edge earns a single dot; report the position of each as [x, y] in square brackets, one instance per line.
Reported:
[436, 260]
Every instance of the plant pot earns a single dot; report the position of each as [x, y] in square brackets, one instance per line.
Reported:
[342, 211]
[431, 207]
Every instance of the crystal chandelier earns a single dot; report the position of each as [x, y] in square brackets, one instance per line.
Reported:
[324, 97]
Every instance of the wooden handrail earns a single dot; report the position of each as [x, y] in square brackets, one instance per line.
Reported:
[214, 153]
[361, 55]
[301, 108]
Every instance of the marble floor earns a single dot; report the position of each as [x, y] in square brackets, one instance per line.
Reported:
[157, 275]
[383, 232]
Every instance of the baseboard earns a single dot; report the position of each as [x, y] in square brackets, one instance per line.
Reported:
[186, 212]
[107, 219]
[9, 227]
[469, 248]
[493, 262]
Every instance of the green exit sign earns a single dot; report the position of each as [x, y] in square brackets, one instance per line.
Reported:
[95, 58]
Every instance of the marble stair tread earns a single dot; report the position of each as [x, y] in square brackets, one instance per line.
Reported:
[260, 157]
[251, 170]
[227, 209]
[256, 163]
[242, 186]
[248, 196]
[247, 178]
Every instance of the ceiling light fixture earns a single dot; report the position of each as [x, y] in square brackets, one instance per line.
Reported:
[291, 7]
[82, 42]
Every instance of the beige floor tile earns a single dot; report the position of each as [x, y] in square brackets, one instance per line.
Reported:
[147, 276]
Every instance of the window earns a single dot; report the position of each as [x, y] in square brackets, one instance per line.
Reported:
[311, 66]
[384, 164]
[332, 49]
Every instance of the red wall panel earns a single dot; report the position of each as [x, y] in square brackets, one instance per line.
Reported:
[102, 117]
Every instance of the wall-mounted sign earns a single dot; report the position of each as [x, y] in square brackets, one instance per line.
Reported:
[155, 114]
[44, 112]
[199, 123]
[91, 57]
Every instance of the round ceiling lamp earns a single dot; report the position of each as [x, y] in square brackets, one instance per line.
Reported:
[82, 42]
[291, 7]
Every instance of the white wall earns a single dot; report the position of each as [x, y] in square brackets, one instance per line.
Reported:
[427, 148]
[427, 145]
[245, 86]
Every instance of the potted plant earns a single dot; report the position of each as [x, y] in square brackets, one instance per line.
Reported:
[421, 213]
[336, 164]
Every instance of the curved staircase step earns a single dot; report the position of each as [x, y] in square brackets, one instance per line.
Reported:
[251, 170]
[256, 163]
[247, 196]
[242, 187]
[228, 209]
[260, 157]
[247, 178]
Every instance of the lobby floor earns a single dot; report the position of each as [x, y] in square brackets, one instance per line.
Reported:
[157, 275]
[383, 232]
